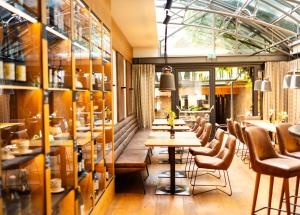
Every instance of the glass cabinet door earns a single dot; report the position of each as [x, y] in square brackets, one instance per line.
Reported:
[22, 159]
[81, 44]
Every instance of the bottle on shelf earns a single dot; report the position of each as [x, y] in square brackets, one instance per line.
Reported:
[79, 159]
[51, 12]
[20, 65]
[96, 182]
[50, 72]
[61, 75]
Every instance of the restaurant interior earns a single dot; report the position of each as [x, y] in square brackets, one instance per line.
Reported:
[111, 107]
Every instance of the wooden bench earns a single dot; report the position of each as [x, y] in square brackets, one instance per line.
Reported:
[131, 155]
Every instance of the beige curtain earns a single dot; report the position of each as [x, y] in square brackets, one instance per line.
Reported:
[293, 96]
[276, 99]
[281, 99]
[143, 84]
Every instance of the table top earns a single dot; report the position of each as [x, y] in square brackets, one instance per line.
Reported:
[295, 130]
[168, 128]
[184, 139]
[165, 122]
[262, 124]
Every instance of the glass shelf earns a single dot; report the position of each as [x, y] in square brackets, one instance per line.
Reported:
[59, 16]
[96, 53]
[59, 61]
[20, 48]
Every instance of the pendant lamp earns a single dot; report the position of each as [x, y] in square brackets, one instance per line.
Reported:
[295, 81]
[286, 81]
[257, 85]
[167, 80]
[266, 85]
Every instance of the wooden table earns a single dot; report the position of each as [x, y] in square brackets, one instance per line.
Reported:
[178, 122]
[168, 128]
[262, 124]
[160, 139]
[295, 130]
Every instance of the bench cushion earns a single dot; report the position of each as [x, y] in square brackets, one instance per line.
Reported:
[132, 159]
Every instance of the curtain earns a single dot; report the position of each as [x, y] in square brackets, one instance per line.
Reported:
[293, 96]
[275, 100]
[143, 85]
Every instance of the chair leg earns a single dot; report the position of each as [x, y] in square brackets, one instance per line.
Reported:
[147, 172]
[149, 158]
[296, 193]
[281, 198]
[238, 148]
[287, 196]
[270, 194]
[255, 193]
[187, 161]
[142, 180]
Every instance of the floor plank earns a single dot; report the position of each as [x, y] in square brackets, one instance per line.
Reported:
[132, 201]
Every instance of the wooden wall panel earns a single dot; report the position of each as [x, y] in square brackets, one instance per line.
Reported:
[129, 89]
[120, 85]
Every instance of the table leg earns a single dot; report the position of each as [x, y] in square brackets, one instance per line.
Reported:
[172, 189]
[172, 169]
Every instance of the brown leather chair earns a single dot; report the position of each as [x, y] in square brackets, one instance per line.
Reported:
[210, 149]
[221, 161]
[200, 128]
[196, 124]
[288, 146]
[239, 135]
[230, 127]
[265, 160]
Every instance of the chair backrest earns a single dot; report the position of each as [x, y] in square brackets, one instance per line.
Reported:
[200, 129]
[227, 152]
[216, 143]
[198, 119]
[205, 134]
[230, 127]
[287, 143]
[238, 131]
[195, 126]
[260, 146]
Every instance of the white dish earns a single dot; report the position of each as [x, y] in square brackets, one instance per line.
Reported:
[59, 190]
[28, 151]
[7, 157]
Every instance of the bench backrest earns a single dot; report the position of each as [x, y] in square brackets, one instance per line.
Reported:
[123, 133]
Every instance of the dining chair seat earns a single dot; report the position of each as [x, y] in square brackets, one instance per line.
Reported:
[202, 150]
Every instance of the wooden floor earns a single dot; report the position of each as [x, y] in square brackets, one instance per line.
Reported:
[132, 201]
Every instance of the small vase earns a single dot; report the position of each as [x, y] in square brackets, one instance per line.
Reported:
[172, 133]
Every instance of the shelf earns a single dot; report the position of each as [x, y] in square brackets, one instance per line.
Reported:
[18, 87]
[20, 160]
[58, 89]
[58, 143]
[56, 198]
[82, 89]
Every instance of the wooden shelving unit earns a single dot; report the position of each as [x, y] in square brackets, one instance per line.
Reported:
[63, 108]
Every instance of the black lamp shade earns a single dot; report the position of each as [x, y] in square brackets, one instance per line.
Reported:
[167, 80]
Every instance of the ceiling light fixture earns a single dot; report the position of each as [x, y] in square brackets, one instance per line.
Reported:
[167, 80]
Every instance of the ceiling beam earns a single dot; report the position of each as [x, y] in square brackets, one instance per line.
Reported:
[240, 17]
[282, 11]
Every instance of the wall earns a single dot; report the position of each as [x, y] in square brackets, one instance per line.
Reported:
[120, 42]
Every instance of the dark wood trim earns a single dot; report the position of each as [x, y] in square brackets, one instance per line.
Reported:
[120, 84]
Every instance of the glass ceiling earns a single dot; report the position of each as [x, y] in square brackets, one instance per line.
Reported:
[228, 27]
